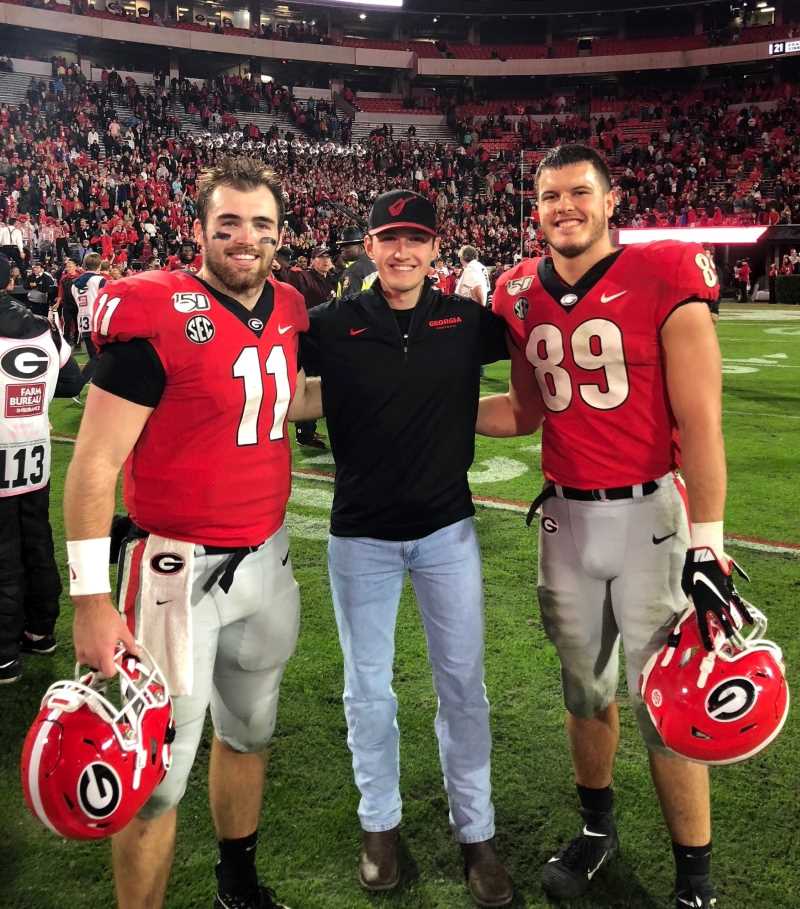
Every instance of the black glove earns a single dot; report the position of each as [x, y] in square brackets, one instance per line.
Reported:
[707, 581]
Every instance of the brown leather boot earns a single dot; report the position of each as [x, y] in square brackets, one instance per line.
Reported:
[487, 879]
[378, 864]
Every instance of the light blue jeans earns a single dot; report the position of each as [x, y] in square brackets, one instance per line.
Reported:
[366, 581]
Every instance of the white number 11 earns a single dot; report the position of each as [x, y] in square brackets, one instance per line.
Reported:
[248, 368]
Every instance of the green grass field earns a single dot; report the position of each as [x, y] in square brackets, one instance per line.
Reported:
[310, 834]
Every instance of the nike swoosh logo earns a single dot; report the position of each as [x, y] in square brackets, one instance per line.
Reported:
[591, 874]
[282, 329]
[699, 578]
[610, 297]
[285, 559]
[588, 832]
[162, 602]
[356, 331]
[657, 540]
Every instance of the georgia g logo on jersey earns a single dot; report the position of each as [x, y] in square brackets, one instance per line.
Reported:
[99, 790]
[27, 362]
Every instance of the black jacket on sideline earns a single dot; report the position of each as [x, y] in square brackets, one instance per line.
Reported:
[401, 420]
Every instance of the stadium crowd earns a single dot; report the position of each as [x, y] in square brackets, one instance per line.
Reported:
[78, 176]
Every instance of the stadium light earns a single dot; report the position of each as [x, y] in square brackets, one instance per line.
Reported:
[376, 4]
[737, 235]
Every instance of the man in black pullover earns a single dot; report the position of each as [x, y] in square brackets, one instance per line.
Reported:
[400, 367]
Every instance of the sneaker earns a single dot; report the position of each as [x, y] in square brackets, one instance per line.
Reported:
[698, 894]
[315, 441]
[10, 671]
[568, 873]
[40, 643]
[260, 898]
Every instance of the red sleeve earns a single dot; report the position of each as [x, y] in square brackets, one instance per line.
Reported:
[688, 273]
[510, 300]
[123, 312]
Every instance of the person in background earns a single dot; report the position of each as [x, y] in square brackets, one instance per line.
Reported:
[744, 280]
[473, 282]
[37, 366]
[317, 284]
[358, 269]
[43, 283]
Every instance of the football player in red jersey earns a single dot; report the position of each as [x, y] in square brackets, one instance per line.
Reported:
[187, 257]
[193, 387]
[621, 347]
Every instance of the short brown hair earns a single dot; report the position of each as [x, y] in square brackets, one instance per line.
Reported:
[240, 172]
[91, 261]
[574, 153]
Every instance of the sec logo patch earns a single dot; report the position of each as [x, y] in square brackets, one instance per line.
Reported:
[521, 308]
[200, 329]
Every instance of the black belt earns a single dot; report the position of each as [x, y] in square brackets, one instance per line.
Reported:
[589, 495]
[226, 569]
[124, 529]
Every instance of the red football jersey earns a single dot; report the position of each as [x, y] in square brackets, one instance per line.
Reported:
[213, 462]
[595, 350]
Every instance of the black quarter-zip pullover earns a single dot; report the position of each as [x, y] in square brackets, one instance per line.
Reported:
[401, 416]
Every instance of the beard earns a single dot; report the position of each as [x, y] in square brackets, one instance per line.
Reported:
[571, 249]
[233, 280]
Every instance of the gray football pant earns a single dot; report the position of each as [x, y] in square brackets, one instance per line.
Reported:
[611, 571]
[242, 641]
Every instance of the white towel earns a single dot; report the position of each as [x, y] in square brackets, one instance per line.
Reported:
[165, 615]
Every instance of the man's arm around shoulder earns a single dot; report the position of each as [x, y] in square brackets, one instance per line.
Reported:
[519, 412]
[307, 401]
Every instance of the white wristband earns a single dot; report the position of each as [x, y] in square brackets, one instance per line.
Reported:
[88, 566]
[708, 536]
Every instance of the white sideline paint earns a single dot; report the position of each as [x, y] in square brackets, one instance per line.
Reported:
[759, 315]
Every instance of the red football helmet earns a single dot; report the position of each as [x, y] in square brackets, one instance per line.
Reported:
[719, 706]
[88, 766]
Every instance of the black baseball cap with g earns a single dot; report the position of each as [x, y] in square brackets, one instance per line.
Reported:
[402, 208]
